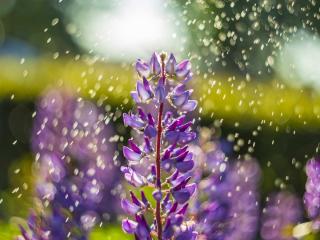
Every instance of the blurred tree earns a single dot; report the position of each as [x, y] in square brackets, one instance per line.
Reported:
[244, 36]
[37, 23]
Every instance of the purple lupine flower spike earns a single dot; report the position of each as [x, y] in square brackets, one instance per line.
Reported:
[227, 204]
[76, 169]
[282, 213]
[163, 145]
[312, 194]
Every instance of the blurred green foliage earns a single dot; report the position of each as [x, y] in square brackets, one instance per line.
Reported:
[222, 97]
[20, 190]
[10, 231]
[27, 20]
[239, 36]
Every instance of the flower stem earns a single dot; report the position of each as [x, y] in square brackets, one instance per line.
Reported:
[158, 171]
[158, 165]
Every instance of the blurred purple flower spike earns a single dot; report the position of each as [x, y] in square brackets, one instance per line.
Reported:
[164, 137]
[312, 194]
[227, 206]
[76, 169]
[282, 213]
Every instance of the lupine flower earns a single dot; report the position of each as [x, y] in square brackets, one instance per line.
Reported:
[282, 213]
[161, 146]
[243, 182]
[312, 194]
[54, 226]
[230, 209]
[208, 154]
[76, 170]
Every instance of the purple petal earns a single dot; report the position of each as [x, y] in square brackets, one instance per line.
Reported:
[134, 199]
[147, 85]
[167, 118]
[133, 177]
[143, 230]
[181, 182]
[185, 166]
[135, 97]
[147, 146]
[143, 93]
[150, 131]
[157, 195]
[187, 78]
[144, 199]
[179, 100]
[131, 155]
[185, 126]
[184, 194]
[128, 207]
[181, 156]
[181, 196]
[183, 69]
[153, 170]
[186, 137]
[183, 210]
[134, 147]
[174, 176]
[167, 164]
[173, 208]
[177, 122]
[142, 114]
[24, 233]
[189, 106]
[142, 68]
[179, 89]
[168, 230]
[155, 64]
[129, 226]
[172, 136]
[187, 233]
[160, 92]
[133, 121]
[179, 151]
[177, 220]
[171, 64]
[191, 188]
[151, 120]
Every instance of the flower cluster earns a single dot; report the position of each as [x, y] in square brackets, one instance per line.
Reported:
[312, 194]
[76, 169]
[282, 213]
[229, 208]
[161, 144]
[54, 226]
[208, 155]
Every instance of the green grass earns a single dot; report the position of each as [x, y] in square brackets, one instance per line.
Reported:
[10, 231]
[109, 233]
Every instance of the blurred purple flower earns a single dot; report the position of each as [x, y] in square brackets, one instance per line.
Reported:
[76, 170]
[229, 206]
[282, 213]
[161, 148]
[54, 226]
[208, 155]
[312, 194]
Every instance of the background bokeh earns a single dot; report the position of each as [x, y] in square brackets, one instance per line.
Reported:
[256, 67]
